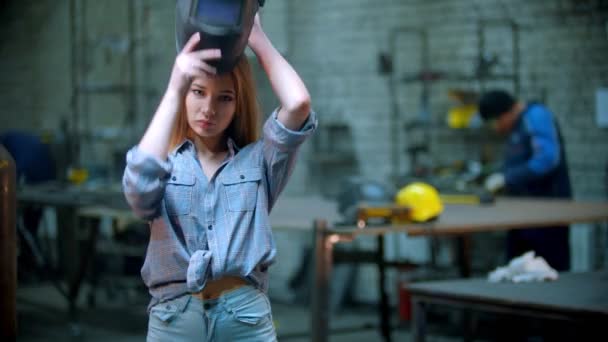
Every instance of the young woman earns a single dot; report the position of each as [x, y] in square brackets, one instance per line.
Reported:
[206, 185]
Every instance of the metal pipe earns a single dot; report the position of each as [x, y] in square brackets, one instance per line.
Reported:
[8, 246]
[323, 251]
[74, 124]
[132, 89]
[394, 81]
[515, 50]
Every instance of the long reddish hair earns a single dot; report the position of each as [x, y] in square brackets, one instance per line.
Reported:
[244, 128]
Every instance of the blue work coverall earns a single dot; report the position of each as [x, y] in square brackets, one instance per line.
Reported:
[535, 165]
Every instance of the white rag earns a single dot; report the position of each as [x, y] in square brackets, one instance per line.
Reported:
[524, 268]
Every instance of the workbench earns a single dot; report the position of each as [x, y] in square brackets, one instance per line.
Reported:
[457, 221]
[79, 210]
[81, 207]
[578, 299]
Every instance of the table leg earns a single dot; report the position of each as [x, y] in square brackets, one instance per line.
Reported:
[323, 254]
[464, 255]
[419, 320]
[92, 226]
[67, 242]
[385, 323]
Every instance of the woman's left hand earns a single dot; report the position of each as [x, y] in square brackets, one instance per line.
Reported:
[257, 34]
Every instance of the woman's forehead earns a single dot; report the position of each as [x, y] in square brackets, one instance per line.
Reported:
[222, 82]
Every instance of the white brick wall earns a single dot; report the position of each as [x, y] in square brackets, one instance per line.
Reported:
[334, 45]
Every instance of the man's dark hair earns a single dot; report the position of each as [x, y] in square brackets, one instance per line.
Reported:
[493, 103]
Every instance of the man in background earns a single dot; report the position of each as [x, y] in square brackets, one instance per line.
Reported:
[534, 165]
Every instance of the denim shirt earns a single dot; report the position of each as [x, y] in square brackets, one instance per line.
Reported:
[202, 229]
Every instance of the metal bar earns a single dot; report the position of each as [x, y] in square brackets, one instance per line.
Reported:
[323, 250]
[419, 320]
[385, 318]
[42, 265]
[132, 109]
[84, 71]
[516, 58]
[528, 312]
[393, 80]
[8, 246]
[464, 255]
[481, 45]
[73, 128]
[75, 283]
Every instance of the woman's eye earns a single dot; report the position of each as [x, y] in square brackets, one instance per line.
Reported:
[226, 98]
[197, 92]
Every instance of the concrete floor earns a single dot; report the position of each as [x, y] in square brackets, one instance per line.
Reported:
[121, 316]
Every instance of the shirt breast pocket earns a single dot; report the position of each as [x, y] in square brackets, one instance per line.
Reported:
[241, 188]
[178, 194]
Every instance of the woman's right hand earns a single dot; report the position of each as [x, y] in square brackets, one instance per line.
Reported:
[191, 63]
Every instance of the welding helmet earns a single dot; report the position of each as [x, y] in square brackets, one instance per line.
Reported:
[422, 198]
[222, 24]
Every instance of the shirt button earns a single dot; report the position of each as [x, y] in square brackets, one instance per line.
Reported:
[173, 178]
[210, 227]
[206, 306]
[242, 177]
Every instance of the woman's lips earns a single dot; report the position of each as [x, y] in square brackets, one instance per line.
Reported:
[205, 123]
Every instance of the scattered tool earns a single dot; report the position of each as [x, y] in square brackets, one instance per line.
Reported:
[483, 197]
[382, 214]
[417, 203]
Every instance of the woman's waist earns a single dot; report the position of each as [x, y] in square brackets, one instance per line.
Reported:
[216, 287]
[162, 288]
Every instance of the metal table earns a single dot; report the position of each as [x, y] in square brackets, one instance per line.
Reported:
[79, 210]
[69, 201]
[577, 298]
[456, 220]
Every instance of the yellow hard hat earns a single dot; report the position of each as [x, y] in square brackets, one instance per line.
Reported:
[461, 116]
[422, 198]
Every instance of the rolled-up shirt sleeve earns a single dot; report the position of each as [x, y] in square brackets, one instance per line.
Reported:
[280, 150]
[144, 182]
[283, 138]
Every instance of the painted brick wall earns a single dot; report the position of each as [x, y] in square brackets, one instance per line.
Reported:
[334, 44]
[34, 81]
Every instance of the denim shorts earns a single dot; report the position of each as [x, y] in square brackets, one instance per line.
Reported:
[240, 315]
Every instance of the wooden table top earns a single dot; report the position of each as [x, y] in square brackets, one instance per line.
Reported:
[72, 196]
[575, 293]
[289, 213]
[503, 214]
[300, 212]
